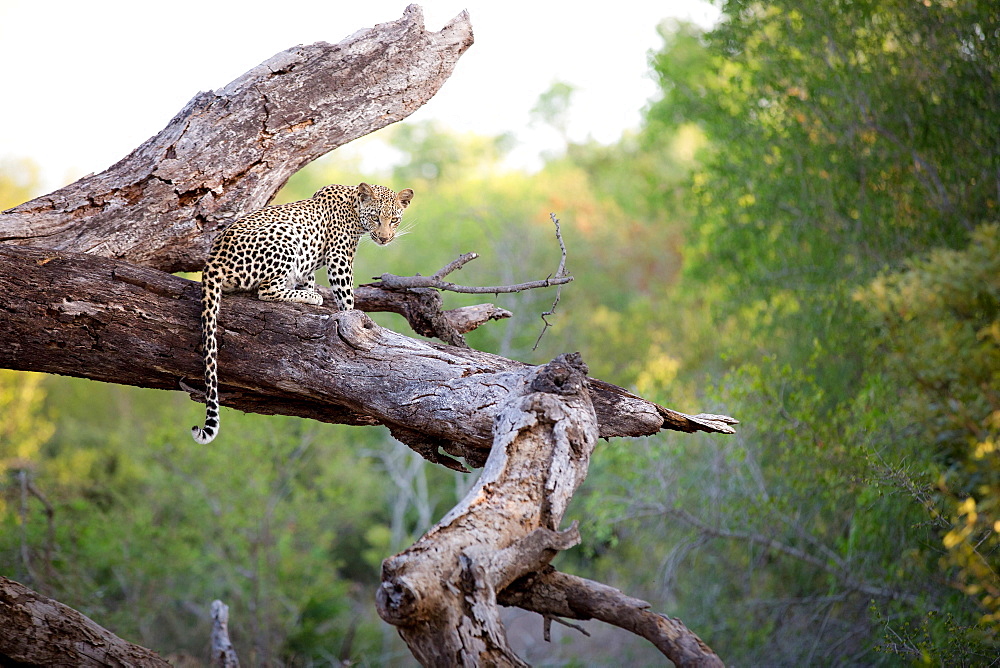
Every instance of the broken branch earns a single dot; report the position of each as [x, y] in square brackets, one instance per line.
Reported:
[437, 282]
[554, 594]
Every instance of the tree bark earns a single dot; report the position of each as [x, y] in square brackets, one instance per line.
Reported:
[229, 151]
[442, 593]
[223, 652]
[423, 310]
[37, 631]
[92, 317]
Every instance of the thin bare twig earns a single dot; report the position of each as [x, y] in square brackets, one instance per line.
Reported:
[559, 272]
[393, 282]
[455, 264]
[547, 627]
[436, 280]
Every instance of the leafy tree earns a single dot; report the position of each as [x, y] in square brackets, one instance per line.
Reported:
[838, 146]
[841, 140]
[940, 330]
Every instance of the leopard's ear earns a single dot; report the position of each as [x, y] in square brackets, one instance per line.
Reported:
[404, 197]
[365, 192]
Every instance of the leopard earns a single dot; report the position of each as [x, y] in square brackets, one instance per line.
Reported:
[276, 252]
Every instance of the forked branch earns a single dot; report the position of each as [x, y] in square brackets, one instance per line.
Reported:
[437, 282]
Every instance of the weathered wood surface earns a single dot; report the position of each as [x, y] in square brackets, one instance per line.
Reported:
[229, 151]
[442, 592]
[223, 653]
[37, 631]
[93, 317]
[423, 309]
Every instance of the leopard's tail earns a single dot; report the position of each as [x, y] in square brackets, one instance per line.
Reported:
[211, 300]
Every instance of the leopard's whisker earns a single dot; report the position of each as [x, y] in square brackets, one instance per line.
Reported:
[406, 228]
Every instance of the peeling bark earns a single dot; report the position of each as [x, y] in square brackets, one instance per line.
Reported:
[441, 592]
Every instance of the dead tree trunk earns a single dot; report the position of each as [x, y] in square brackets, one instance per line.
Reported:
[83, 293]
[442, 593]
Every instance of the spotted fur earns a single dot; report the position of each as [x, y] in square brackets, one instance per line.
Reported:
[277, 250]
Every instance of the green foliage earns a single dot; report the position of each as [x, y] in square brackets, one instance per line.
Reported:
[436, 155]
[24, 428]
[834, 146]
[828, 155]
[939, 322]
[143, 538]
[553, 106]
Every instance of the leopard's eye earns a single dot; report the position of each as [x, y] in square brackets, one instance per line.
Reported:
[395, 220]
[373, 217]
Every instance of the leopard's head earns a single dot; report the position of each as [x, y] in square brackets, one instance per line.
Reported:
[380, 210]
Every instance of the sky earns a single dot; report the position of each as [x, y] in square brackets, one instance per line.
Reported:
[85, 82]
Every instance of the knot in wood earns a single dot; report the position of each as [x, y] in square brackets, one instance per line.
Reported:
[396, 602]
[565, 375]
[357, 330]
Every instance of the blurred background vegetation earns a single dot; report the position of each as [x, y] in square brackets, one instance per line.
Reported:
[802, 234]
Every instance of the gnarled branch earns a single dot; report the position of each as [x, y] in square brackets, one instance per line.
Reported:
[83, 292]
[93, 317]
[494, 547]
[424, 311]
[229, 151]
[554, 594]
